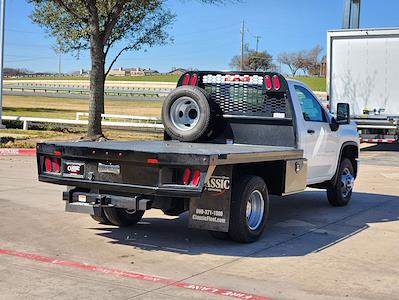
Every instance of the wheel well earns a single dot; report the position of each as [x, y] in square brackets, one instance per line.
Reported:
[351, 152]
[274, 176]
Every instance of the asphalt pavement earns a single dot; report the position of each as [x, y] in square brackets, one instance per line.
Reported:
[309, 250]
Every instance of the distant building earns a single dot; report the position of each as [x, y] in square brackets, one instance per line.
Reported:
[119, 72]
[133, 72]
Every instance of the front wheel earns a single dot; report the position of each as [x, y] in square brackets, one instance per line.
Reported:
[339, 193]
[249, 209]
[123, 217]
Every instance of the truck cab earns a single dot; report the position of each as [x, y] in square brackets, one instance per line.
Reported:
[319, 136]
[231, 140]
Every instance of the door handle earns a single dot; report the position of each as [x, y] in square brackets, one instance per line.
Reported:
[311, 131]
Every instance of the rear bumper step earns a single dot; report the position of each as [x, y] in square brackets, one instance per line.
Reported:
[91, 203]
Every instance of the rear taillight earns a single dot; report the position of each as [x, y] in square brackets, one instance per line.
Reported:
[191, 177]
[52, 165]
[55, 164]
[276, 82]
[186, 176]
[186, 79]
[190, 80]
[196, 178]
[47, 164]
[194, 80]
[268, 82]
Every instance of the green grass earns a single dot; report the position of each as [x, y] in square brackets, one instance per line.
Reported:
[18, 138]
[151, 78]
[315, 83]
[58, 108]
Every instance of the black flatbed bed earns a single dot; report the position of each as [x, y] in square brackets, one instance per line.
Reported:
[217, 154]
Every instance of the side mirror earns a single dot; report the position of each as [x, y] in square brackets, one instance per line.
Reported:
[343, 113]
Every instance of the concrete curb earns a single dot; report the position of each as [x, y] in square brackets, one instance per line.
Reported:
[17, 152]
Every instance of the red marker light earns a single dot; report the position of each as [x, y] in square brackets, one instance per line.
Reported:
[57, 153]
[268, 82]
[186, 79]
[276, 82]
[153, 161]
[194, 80]
[186, 176]
[196, 178]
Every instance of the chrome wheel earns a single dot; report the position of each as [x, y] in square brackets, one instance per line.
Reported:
[184, 113]
[347, 181]
[255, 210]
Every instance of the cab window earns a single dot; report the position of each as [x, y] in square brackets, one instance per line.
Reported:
[311, 108]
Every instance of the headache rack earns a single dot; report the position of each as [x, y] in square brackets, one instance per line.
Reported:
[244, 94]
[255, 107]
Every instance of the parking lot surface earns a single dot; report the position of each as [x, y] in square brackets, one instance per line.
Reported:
[309, 250]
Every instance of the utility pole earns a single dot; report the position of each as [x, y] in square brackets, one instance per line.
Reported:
[257, 37]
[242, 45]
[3, 13]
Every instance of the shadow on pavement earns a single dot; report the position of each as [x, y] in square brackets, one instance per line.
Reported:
[382, 147]
[298, 225]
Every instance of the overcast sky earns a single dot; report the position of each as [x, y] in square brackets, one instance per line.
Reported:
[205, 36]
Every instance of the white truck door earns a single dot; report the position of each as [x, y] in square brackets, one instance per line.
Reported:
[320, 143]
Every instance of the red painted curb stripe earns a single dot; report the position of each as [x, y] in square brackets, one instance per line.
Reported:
[17, 152]
[132, 275]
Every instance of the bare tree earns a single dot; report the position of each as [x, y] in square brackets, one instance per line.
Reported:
[294, 61]
[313, 62]
[306, 60]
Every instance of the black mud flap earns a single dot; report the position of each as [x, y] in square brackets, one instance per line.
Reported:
[212, 210]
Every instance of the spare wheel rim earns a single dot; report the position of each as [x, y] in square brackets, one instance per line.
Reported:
[184, 113]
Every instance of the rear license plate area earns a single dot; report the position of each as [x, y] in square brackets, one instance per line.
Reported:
[73, 169]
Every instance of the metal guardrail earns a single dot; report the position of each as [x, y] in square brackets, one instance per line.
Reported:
[30, 120]
[85, 90]
[86, 86]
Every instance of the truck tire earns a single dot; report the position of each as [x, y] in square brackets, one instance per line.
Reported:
[122, 217]
[187, 114]
[101, 219]
[249, 209]
[339, 193]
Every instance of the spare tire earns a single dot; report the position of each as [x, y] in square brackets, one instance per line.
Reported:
[187, 114]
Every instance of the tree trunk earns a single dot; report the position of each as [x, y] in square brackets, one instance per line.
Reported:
[97, 82]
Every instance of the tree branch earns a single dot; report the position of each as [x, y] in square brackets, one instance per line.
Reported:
[114, 61]
[70, 10]
[113, 19]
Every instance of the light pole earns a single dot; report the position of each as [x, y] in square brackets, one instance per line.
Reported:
[3, 13]
[351, 14]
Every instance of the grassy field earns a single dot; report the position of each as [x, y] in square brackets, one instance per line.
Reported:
[315, 83]
[17, 138]
[46, 107]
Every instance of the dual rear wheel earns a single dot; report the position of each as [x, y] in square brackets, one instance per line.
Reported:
[249, 210]
[118, 216]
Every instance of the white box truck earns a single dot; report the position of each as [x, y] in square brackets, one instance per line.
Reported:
[363, 70]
